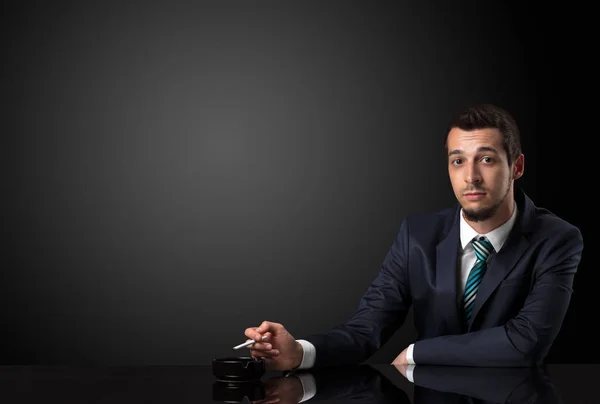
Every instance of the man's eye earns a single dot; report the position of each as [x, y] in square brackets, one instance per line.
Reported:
[456, 161]
[486, 159]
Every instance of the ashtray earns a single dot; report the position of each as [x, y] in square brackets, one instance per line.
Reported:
[238, 369]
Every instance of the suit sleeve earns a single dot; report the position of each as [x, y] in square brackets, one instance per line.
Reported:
[381, 311]
[525, 339]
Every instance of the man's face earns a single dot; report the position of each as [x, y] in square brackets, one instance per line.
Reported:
[479, 171]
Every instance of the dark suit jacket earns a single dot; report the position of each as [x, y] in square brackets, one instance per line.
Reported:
[518, 310]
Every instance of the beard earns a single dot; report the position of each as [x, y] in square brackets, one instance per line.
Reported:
[482, 214]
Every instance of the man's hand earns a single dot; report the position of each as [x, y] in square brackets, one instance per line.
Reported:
[401, 369]
[401, 359]
[280, 351]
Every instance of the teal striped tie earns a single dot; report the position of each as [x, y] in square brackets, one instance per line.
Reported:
[483, 248]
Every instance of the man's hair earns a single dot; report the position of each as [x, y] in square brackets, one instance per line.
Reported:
[486, 116]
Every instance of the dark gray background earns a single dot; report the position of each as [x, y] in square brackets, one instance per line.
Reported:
[175, 173]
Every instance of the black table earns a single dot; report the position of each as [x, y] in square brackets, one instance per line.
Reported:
[352, 384]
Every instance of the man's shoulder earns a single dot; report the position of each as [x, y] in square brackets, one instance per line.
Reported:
[547, 224]
[544, 225]
[553, 240]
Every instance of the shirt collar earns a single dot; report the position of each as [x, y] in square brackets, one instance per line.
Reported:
[497, 236]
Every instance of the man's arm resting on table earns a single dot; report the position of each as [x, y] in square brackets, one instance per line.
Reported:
[308, 354]
[526, 338]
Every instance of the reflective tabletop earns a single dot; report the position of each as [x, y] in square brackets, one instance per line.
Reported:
[559, 383]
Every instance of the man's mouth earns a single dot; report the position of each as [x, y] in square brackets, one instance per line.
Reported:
[474, 196]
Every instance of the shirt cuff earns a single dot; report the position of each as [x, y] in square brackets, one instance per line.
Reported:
[409, 354]
[309, 386]
[309, 354]
[409, 373]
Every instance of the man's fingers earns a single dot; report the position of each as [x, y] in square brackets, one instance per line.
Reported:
[251, 333]
[264, 354]
[269, 326]
[256, 336]
[261, 346]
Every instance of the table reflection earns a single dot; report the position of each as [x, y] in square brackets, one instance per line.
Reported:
[349, 384]
[489, 385]
[430, 384]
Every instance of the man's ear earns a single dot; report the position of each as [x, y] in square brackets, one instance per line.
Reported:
[518, 167]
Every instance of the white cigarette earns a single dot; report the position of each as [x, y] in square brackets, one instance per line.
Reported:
[248, 343]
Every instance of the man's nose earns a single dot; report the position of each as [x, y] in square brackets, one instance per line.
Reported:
[472, 175]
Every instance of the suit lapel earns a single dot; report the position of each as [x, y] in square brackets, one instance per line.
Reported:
[446, 277]
[500, 265]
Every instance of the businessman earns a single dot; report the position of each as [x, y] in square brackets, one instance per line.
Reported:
[489, 279]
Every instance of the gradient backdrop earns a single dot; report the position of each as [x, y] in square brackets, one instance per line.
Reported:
[174, 173]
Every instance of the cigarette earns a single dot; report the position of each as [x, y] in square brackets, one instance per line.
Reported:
[248, 343]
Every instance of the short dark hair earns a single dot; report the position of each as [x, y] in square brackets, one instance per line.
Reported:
[483, 116]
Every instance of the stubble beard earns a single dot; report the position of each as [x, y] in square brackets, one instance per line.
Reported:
[484, 213]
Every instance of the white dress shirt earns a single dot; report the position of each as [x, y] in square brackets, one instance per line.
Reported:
[466, 258]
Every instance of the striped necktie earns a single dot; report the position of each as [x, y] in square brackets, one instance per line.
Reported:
[483, 248]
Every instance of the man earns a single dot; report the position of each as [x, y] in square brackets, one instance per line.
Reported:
[490, 280]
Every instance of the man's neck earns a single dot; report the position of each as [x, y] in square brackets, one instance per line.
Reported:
[504, 212]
